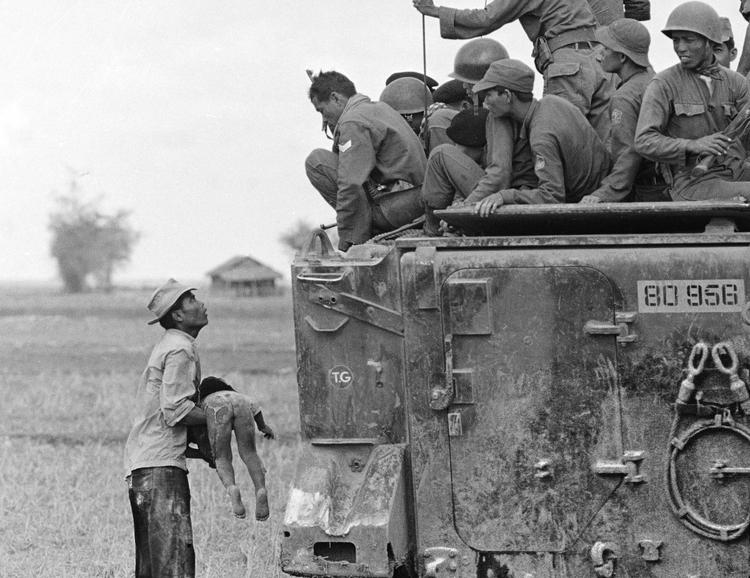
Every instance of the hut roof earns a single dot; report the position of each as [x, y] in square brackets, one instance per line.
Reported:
[243, 268]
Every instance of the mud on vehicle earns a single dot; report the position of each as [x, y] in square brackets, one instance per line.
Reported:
[560, 393]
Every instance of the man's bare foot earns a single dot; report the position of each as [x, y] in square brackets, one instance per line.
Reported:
[261, 505]
[237, 506]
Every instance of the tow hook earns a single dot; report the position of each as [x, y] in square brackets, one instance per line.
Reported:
[725, 359]
[604, 557]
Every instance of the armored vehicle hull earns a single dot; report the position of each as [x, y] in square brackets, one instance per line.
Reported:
[560, 394]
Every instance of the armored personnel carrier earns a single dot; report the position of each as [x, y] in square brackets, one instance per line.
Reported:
[559, 392]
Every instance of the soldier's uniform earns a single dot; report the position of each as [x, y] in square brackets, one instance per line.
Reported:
[451, 174]
[568, 157]
[630, 173]
[563, 33]
[374, 173]
[438, 120]
[682, 104]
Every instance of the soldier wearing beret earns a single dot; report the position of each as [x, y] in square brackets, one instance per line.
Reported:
[449, 98]
[568, 157]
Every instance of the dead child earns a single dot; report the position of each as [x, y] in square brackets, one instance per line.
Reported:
[227, 410]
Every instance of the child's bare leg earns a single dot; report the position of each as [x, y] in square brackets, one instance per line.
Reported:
[244, 431]
[219, 422]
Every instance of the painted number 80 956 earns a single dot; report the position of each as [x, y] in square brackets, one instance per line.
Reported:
[691, 295]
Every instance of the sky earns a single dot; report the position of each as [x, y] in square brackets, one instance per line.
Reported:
[194, 115]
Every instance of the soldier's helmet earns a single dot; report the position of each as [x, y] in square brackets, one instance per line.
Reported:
[474, 58]
[406, 95]
[697, 17]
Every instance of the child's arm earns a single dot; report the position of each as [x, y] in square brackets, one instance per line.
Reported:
[263, 427]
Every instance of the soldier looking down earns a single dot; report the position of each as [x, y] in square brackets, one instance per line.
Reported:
[409, 97]
[569, 159]
[687, 108]
[451, 174]
[372, 177]
[563, 33]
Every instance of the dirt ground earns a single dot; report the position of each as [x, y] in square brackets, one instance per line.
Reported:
[68, 371]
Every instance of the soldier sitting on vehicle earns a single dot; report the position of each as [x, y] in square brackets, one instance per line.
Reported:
[688, 108]
[507, 162]
[632, 177]
[725, 52]
[448, 100]
[569, 159]
[372, 177]
[453, 170]
[409, 97]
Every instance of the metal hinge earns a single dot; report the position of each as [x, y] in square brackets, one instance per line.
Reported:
[628, 467]
[442, 385]
[620, 328]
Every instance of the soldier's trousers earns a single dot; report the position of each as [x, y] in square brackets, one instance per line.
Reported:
[388, 211]
[576, 75]
[450, 176]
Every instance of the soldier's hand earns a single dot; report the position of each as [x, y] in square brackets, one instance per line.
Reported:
[590, 200]
[487, 205]
[713, 144]
[268, 433]
[426, 7]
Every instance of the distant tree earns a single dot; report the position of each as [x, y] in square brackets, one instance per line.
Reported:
[297, 235]
[87, 243]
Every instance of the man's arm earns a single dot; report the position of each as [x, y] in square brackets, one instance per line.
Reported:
[196, 416]
[619, 182]
[499, 172]
[177, 388]
[743, 66]
[550, 172]
[356, 163]
[651, 140]
[472, 23]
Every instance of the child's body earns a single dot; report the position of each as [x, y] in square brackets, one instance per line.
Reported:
[228, 410]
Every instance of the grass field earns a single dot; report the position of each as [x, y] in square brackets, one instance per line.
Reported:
[68, 371]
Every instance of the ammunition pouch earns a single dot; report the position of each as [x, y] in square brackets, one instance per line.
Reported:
[545, 47]
[542, 54]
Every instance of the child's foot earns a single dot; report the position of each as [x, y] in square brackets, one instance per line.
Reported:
[261, 505]
[237, 506]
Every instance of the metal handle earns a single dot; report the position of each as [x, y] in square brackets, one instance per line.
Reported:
[321, 277]
[628, 467]
[326, 249]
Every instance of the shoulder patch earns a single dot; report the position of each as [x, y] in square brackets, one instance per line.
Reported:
[539, 164]
[345, 146]
[616, 116]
